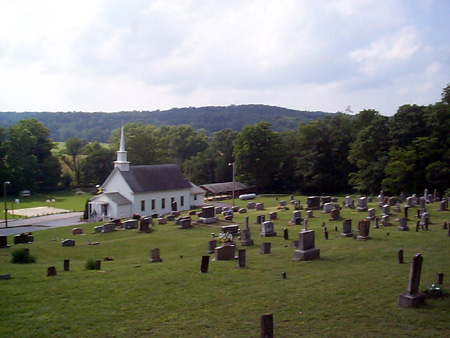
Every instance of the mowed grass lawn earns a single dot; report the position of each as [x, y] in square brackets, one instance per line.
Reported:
[351, 291]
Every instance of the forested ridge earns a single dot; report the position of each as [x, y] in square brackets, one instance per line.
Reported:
[336, 153]
[99, 125]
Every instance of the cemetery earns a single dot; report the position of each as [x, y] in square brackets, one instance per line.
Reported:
[349, 283]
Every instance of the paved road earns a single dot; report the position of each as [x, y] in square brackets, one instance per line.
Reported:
[31, 224]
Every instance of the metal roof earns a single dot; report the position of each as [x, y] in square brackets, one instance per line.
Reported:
[158, 177]
[218, 188]
[195, 189]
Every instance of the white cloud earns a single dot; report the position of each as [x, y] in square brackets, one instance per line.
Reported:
[316, 55]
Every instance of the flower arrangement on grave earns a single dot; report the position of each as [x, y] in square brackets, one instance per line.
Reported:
[225, 237]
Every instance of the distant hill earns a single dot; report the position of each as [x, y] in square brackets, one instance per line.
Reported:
[91, 126]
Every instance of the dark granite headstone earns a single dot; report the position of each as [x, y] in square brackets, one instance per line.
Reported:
[205, 264]
[4, 242]
[51, 271]
[66, 265]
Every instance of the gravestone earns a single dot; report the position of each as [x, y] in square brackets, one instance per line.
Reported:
[371, 214]
[265, 248]
[282, 203]
[266, 327]
[98, 264]
[306, 247]
[4, 242]
[246, 222]
[309, 214]
[68, 242]
[385, 221]
[211, 246]
[231, 229]
[386, 210]
[235, 208]
[228, 218]
[325, 199]
[108, 227]
[313, 203]
[130, 224]
[246, 237]
[439, 278]
[391, 201]
[296, 217]
[259, 206]
[241, 258]
[364, 227]
[403, 224]
[273, 215]
[327, 207]
[348, 201]
[347, 228]
[77, 231]
[425, 219]
[405, 211]
[362, 204]
[305, 224]
[155, 256]
[205, 264]
[267, 229]
[51, 271]
[242, 210]
[443, 205]
[23, 238]
[185, 223]
[144, 224]
[224, 252]
[397, 207]
[400, 257]
[286, 234]
[66, 265]
[260, 219]
[208, 215]
[422, 204]
[410, 201]
[413, 298]
[251, 205]
[218, 210]
[335, 214]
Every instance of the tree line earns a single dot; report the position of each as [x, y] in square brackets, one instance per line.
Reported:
[364, 153]
[99, 126]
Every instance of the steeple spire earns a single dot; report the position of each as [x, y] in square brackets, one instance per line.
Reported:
[121, 163]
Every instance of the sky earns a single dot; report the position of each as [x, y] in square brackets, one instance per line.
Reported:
[316, 55]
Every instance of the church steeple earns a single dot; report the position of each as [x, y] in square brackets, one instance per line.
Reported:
[121, 163]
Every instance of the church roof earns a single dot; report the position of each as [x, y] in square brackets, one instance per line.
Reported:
[158, 177]
[195, 189]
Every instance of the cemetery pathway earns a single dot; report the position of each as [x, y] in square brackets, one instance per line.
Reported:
[18, 226]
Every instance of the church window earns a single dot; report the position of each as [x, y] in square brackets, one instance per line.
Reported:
[182, 200]
[163, 203]
[143, 205]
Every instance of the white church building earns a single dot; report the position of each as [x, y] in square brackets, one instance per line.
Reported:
[143, 190]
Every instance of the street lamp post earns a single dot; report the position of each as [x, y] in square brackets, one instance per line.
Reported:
[6, 207]
[232, 165]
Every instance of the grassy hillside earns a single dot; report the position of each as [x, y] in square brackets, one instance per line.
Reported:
[351, 291]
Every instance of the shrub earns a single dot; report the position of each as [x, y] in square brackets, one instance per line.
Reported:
[22, 256]
[91, 264]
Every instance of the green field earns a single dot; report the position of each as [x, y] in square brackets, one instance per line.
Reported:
[351, 291]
